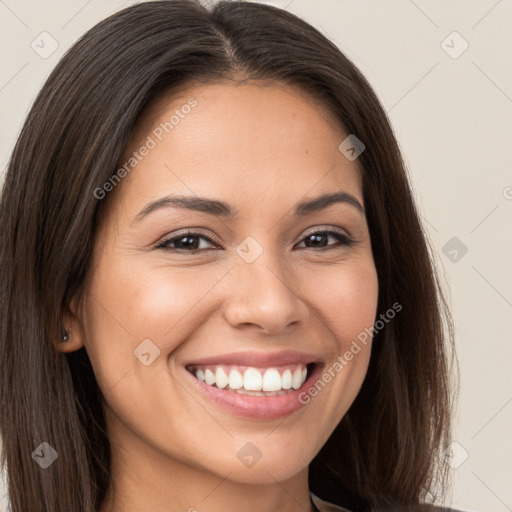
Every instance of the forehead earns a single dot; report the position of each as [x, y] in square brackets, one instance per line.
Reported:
[254, 142]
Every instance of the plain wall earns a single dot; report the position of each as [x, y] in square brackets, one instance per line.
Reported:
[452, 114]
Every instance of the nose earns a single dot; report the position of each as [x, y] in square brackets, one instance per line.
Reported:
[261, 294]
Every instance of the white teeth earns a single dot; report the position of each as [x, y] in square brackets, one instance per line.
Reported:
[209, 377]
[251, 381]
[221, 379]
[271, 380]
[297, 378]
[236, 379]
[286, 380]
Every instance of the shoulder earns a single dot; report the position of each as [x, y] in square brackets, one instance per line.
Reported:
[325, 506]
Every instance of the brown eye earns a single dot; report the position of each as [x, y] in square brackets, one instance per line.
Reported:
[318, 238]
[187, 242]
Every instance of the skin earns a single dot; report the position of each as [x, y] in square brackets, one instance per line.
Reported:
[262, 148]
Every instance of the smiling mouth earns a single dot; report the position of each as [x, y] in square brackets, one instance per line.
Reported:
[253, 381]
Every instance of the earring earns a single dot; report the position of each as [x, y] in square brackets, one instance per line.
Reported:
[64, 336]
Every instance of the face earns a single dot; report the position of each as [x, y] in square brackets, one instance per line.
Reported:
[262, 291]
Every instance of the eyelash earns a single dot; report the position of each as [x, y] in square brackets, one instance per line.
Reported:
[343, 238]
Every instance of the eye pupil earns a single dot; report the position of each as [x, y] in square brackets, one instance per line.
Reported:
[316, 237]
[191, 242]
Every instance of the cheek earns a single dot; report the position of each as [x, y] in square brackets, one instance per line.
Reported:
[344, 298]
[129, 305]
[345, 302]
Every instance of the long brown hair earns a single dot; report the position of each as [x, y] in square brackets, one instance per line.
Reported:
[388, 447]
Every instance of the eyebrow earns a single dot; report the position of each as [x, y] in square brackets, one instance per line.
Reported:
[222, 209]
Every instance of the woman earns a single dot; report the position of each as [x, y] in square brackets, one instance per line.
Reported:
[217, 293]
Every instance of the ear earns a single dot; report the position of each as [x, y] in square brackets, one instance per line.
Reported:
[72, 324]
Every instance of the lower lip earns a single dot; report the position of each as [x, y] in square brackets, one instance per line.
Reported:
[256, 407]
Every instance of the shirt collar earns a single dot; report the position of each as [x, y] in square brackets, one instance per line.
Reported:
[325, 506]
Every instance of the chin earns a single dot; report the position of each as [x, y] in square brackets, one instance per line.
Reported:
[268, 469]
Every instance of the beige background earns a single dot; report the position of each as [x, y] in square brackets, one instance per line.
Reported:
[452, 113]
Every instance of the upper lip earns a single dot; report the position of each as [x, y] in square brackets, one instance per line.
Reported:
[257, 359]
